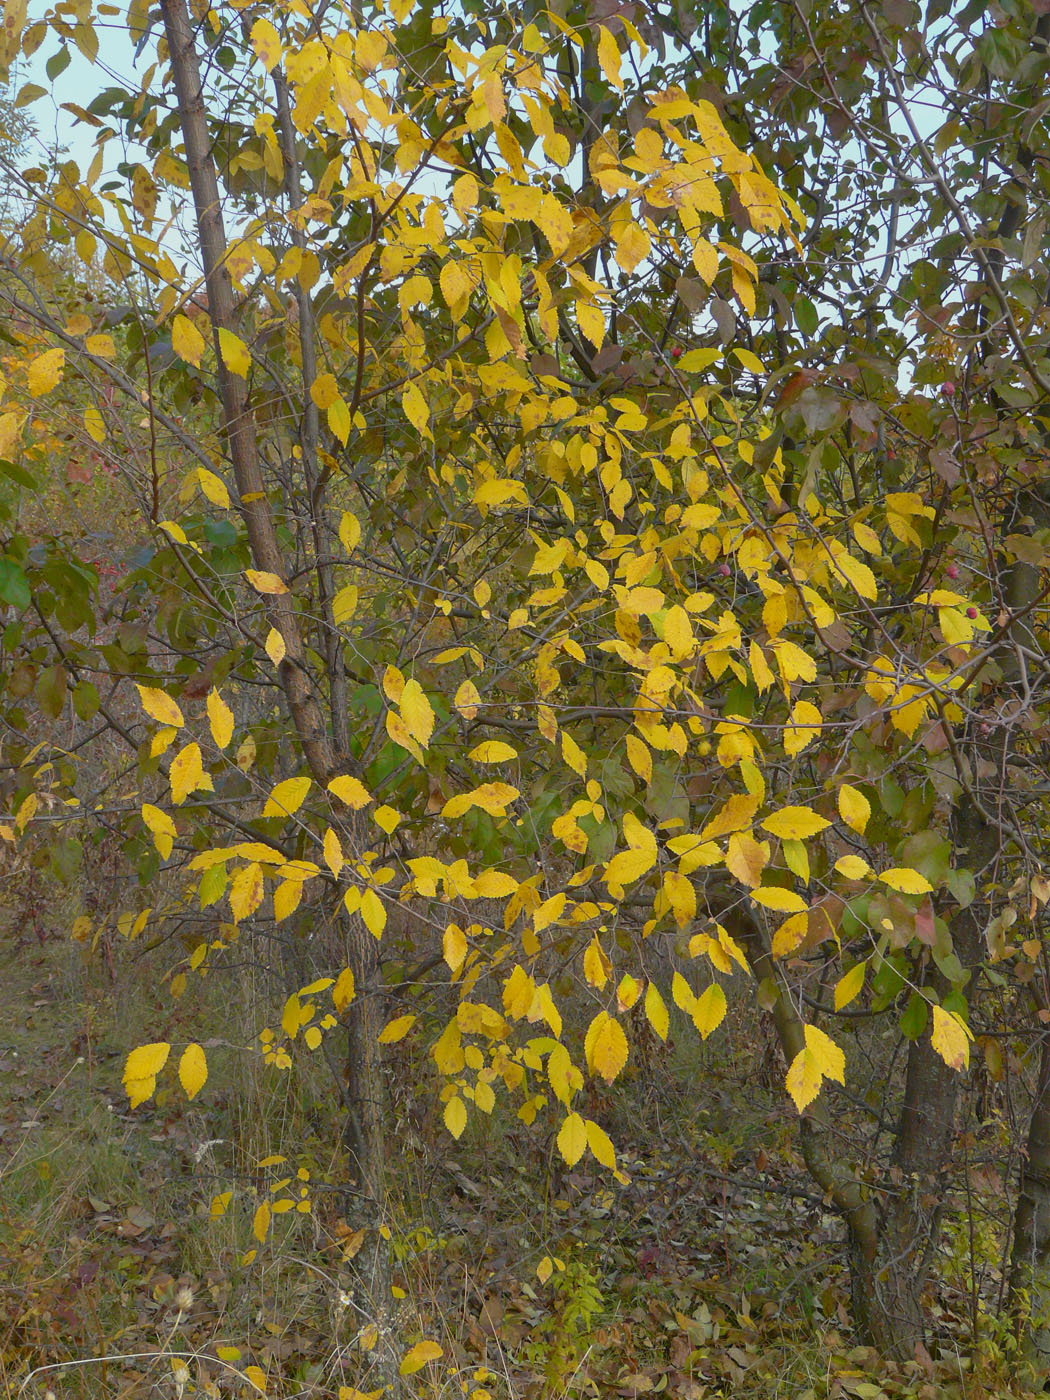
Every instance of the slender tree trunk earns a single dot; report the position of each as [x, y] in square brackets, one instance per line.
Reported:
[1030, 1259]
[324, 757]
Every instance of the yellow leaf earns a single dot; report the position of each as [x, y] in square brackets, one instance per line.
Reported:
[467, 700]
[821, 1059]
[234, 353]
[161, 827]
[795, 823]
[193, 1070]
[373, 911]
[455, 1116]
[333, 852]
[220, 717]
[263, 582]
[682, 994]
[95, 425]
[710, 1009]
[951, 1038]
[746, 858]
[351, 791]
[454, 947]
[246, 891]
[640, 757]
[287, 797]
[849, 986]
[628, 866]
[45, 371]
[681, 896]
[417, 1357]
[573, 754]
[349, 531]
[139, 1090]
[601, 1145]
[596, 966]
[606, 1047]
[286, 899]
[906, 881]
[344, 604]
[397, 1029]
[160, 706]
[609, 57]
[275, 648]
[854, 807]
[572, 1139]
[806, 722]
[261, 1222]
[213, 487]
[343, 991]
[186, 773]
[493, 751]
[656, 1011]
[186, 340]
[417, 713]
[852, 867]
[775, 897]
[146, 1061]
[416, 410]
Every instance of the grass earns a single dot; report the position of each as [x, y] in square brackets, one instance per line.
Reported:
[708, 1275]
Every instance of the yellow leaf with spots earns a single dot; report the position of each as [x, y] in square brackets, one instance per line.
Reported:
[45, 372]
[186, 773]
[854, 807]
[234, 353]
[161, 827]
[609, 57]
[264, 582]
[493, 751]
[805, 726]
[160, 706]
[416, 410]
[246, 891]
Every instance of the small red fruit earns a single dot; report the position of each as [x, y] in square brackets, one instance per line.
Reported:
[947, 388]
[676, 353]
[723, 569]
[952, 570]
[971, 613]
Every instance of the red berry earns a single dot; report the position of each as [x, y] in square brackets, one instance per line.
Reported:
[952, 570]
[971, 612]
[676, 353]
[947, 388]
[723, 569]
